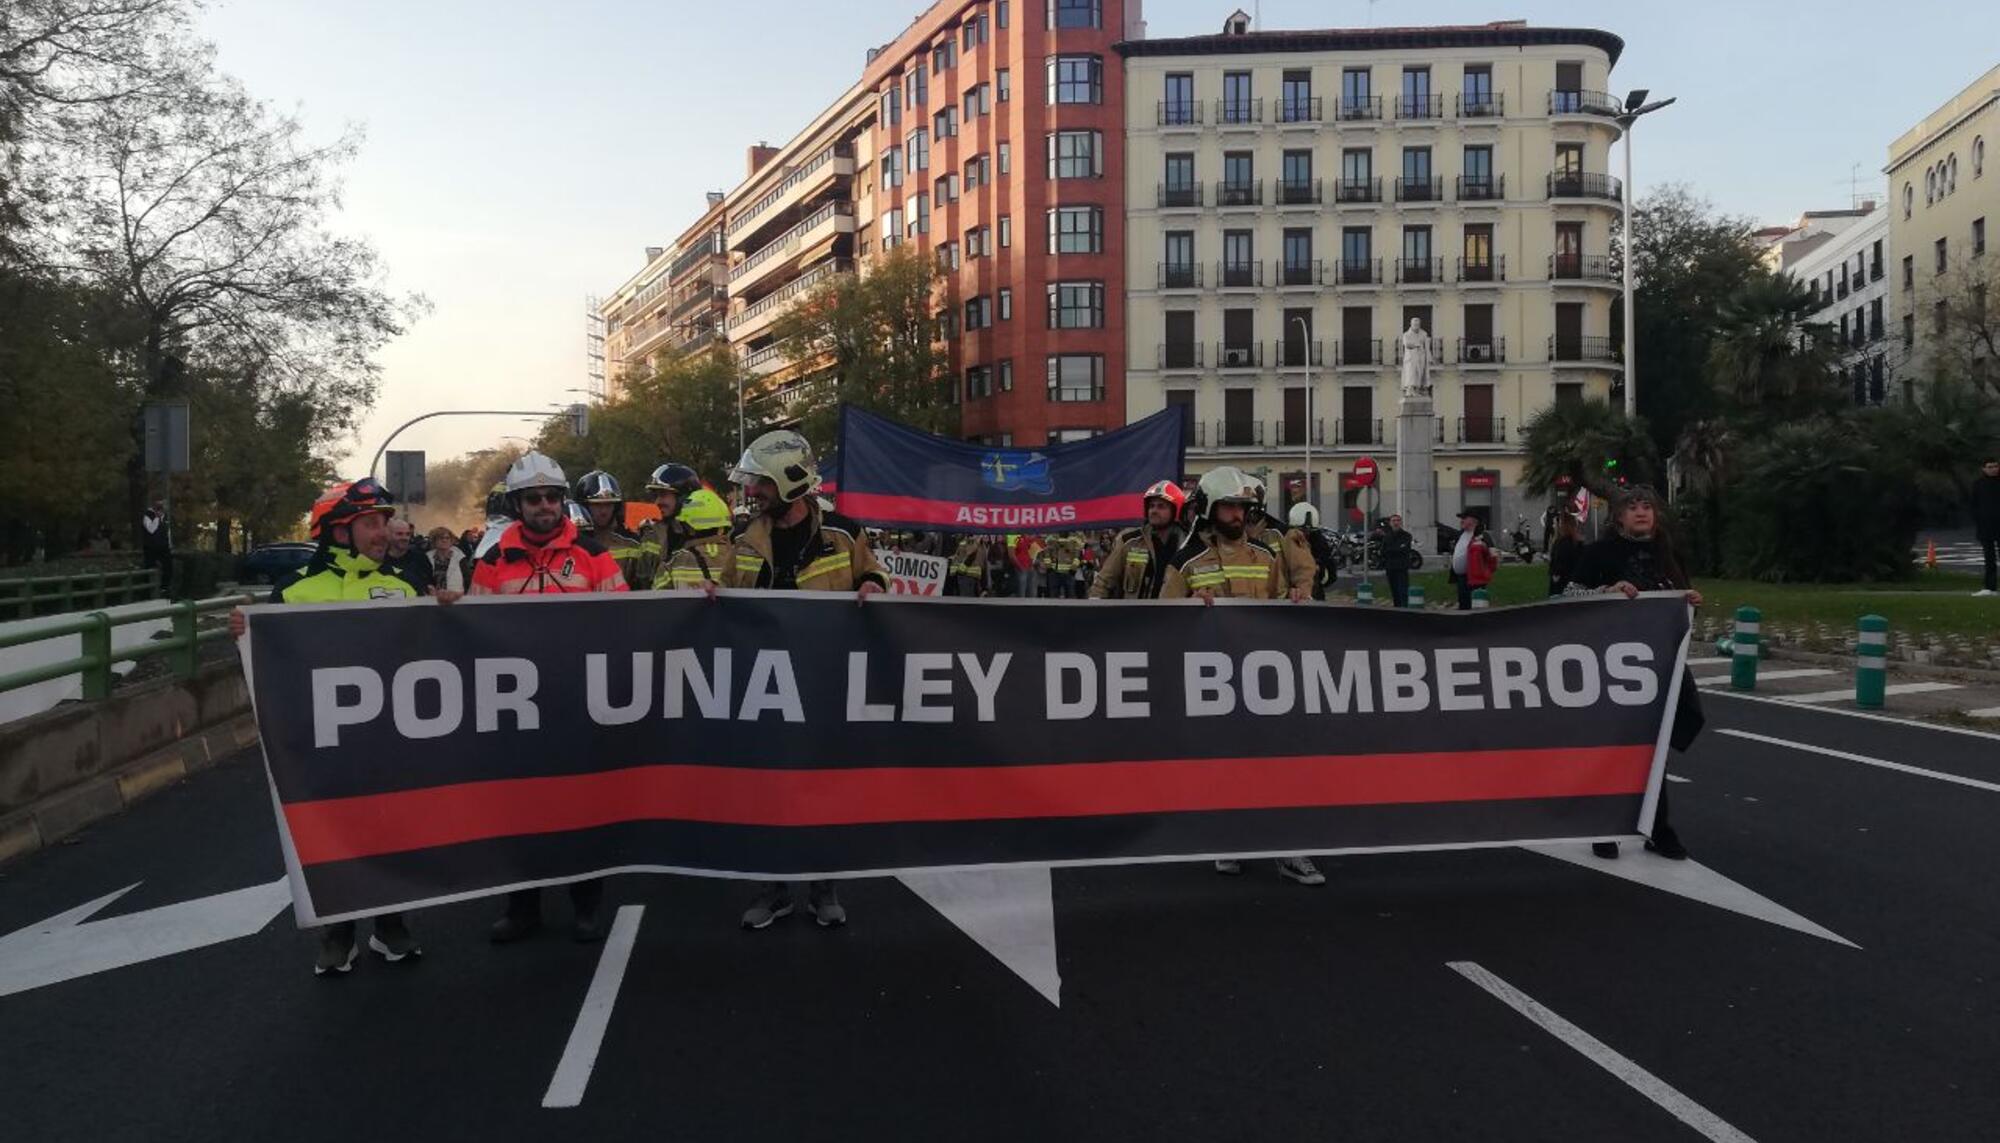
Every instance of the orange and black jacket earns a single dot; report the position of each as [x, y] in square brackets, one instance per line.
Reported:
[567, 563]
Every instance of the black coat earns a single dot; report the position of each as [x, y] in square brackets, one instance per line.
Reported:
[1986, 507]
[1396, 545]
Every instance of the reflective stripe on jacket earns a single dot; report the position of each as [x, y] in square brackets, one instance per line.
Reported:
[1243, 569]
[568, 563]
[336, 575]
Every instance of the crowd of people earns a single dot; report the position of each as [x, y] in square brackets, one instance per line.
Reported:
[544, 536]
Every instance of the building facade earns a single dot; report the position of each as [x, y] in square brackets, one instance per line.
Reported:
[1847, 269]
[1942, 196]
[1295, 198]
[677, 301]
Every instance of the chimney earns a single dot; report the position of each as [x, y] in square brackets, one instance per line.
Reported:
[653, 252]
[761, 154]
[715, 199]
[1238, 23]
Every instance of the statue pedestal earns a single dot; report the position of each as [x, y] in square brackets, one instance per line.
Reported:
[1416, 480]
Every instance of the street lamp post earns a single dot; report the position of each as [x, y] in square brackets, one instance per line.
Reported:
[1635, 106]
[1305, 365]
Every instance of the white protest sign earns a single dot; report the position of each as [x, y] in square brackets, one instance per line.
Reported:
[911, 574]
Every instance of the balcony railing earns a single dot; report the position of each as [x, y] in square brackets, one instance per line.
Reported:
[1367, 272]
[1437, 350]
[1595, 349]
[1492, 351]
[1239, 434]
[805, 170]
[1299, 109]
[1580, 185]
[757, 359]
[1239, 275]
[708, 246]
[1239, 111]
[1362, 109]
[1580, 267]
[1183, 355]
[1419, 190]
[1249, 356]
[1301, 192]
[1582, 103]
[1481, 188]
[1840, 291]
[1294, 432]
[1180, 197]
[1420, 107]
[1482, 105]
[1299, 354]
[789, 240]
[1357, 432]
[1300, 273]
[1179, 275]
[1179, 113]
[1250, 193]
[1358, 190]
[1420, 271]
[1492, 268]
[1482, 430]
[790, 290]
[1358, 353]
[1194, 434]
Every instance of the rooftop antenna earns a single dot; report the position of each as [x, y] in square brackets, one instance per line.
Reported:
[1371, 13]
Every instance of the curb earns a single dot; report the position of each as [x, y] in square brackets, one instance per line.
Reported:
[57, 816]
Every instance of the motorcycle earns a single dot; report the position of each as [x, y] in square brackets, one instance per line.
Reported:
[1524, 546]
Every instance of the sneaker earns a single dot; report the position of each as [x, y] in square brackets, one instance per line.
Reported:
[587, 928]
[1983, 592]
[1229, 868]
[392, 941]
[1608, 850]
[1667, 844]
[773, 902]
[336, 950]
[522, 919]
[824, 905]
[1301, 870]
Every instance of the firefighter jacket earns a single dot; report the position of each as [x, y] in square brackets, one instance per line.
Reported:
[1295, 555]
[338, 575]
[1240, 569]
[1135, 568]
[639, 562]
[1065, 554]
[968, 562]
[660, 538]
[567, 563]
[835, 557]
[702, 559]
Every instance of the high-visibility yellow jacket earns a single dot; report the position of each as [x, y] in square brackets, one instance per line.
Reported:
[1240, 569]
[336, 575]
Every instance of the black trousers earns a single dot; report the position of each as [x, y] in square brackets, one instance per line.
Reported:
[1399, 586]
[1464, 593]
[1992, 550]
[584, 898]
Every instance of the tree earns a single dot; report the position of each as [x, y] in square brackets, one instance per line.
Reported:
[1702, 467]
[1769, 361]
[1970, 343]
[676, 406]
[1824, 499]
[1573, 440]
[1946, 429]
[877, 336]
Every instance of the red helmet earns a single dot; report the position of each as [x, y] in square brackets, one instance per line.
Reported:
[1168, 491]
[343, 502]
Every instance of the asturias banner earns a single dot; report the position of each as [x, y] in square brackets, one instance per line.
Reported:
[421, 753]
[894, 476]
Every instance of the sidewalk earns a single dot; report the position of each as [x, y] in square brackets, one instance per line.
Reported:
[1914, 691]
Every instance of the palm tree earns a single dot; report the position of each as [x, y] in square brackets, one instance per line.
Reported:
[1768, 358]
[1702, 468]
[1948, 428]
[1573, 440]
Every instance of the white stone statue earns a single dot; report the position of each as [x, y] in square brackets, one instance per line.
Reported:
[1416, 360]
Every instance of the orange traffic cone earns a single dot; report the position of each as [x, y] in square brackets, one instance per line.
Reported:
[1930, 554]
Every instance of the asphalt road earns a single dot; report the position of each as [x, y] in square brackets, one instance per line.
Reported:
[1193, 1006]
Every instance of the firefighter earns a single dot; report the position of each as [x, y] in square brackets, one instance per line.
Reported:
[668, 487]
[1294, 554]
[968, 566]
[1059, 567]
[1304, 520]
[1223, 560]
[604, 501]
[1136, 566]
[708, 556]
[544, 553]
[792, 544]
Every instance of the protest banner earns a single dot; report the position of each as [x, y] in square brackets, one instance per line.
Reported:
[913, 574]
[421, 753]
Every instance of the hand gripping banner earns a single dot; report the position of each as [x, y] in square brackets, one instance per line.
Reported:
[421, 753]
[894, 476]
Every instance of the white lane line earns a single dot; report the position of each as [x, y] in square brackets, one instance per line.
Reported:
[1988, 712]
[1711, 1125]
[1865, 760]
[1769, 676]
[1711, 661]
[579, 1056]
[1678, 778]
[1892, 689]
[1905, 723]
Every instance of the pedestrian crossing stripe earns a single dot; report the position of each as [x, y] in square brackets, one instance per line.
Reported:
[1896, 689]
[1767, 676]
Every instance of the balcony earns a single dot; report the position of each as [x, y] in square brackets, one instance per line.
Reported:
[1299, 110]
[1595, 103]
[1419, 189]
[810, 177]
[1194, 434]
[1841, 291]
[1299, 354]
[1239, 275]
[1492, 351]
[1179, 275]
[1248, 193]
[1183, 355]
[1180, 197]
[1488, 271]
[1298, 192]
[1595, 350]
[1247, 356]
[1293, 274]
[1420, 271]
[1355, 192]
[1361, 110]
[1179, 113]
[753, 319]
[818, 227]
[1239, 434]
[1419, 108]
[1239, 112]
[1490, 189]
[1482, 430]
[1353, 354]
[766, 361]
[1294, 432]
[1576, 184]
[1481, 105]
[1580, 268]
[1367, 272]
[1357, 432]
[1437, 351]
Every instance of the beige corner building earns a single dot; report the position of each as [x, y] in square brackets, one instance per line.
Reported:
[1295, 198]
[1942, 196]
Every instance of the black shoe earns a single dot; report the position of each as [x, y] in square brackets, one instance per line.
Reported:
[523, 918]
[392, 940]
[1608, 850]
[587, 928]
[1667, 844]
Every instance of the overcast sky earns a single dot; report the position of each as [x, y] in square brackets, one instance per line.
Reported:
[520, 156]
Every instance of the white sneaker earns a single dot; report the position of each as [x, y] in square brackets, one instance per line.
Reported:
[1984, 592]
[1301, 870]
[1228, 868]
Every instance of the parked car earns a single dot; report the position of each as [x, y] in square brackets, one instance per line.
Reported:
[271, 563]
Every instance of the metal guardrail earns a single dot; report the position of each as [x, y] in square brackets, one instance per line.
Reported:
[98, 658]
[93, 589]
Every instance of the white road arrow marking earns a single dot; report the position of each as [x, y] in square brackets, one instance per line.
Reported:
[1693, 880]
[1010, 912]
[64, 948]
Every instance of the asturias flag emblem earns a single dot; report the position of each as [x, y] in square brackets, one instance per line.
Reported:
[1017, 472]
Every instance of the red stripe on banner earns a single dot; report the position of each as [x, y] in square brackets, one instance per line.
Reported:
[1103, 511]
[341, 829]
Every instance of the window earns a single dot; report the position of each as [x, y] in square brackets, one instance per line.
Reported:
[917, 146]
[1569, 163]
[1356, 166]
[1006, 296]
[978, 381]
[1080, 155]
[945, 189]
[978, 313]
[1417, 167]
[947, 325]
[1295, 97]
[1297, 168]
[1238, 106]
[920, 215]
[1004, 373]
[1416, 93]
[1354, 88]
[978, 172]
[1941, 259]
[1238, 173]
[1930, 186]
[1875, 320]
[1076, 305]
[1909, 330]
[1479, 169]
[892, 167]
[1951, 175]
[1075, 14]
[1239, 259]
[1076, 79]
[1476, 90]
[1076, 377]
[947, 256]
[917, 87]
[1875, 262]
[943, 56]
[892, 107]
[1978, 156]
[1417, 248]
[1006, 231]
[978, 242]
[1075, 230]
[1478, 256]
[1298, 257]
[1177, 254]
[1978, 237]
[892, 228]
[1909, 198]
[945, 123]
[1178, 106]
[1006, 157]
[1909, 271]
[1000, 12]
[1356, 245]
[978, 101]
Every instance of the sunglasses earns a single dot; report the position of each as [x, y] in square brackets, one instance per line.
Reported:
[534, 498]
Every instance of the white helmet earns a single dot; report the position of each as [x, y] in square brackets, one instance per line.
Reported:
[1304, 515]
[534, 470]
[785, 459]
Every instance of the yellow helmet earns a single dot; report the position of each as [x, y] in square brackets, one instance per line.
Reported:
[705, 512]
